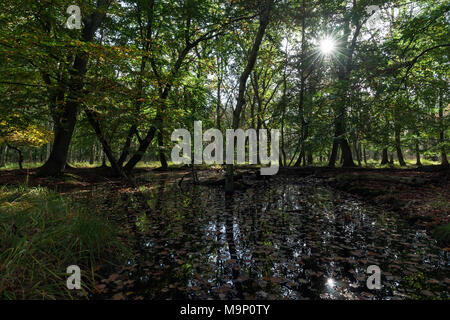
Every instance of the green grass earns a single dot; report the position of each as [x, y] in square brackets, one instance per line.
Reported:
[26, 165]
[410, 163]
[78, 164]
[376, 164]
[42, 234]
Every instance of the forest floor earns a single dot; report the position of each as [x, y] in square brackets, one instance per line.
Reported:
[420, 195]
[317, 230]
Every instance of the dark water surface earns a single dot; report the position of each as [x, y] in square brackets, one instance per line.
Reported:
[290, 238]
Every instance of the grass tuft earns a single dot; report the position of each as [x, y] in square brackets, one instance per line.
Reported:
[42, 234]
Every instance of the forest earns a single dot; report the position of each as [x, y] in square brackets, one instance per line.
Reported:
[348, 99]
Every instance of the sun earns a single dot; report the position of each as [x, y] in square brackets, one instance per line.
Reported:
[327, 46]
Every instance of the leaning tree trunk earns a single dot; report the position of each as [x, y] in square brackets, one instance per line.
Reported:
[298, 163]
[334, 154]
[398, 148]
[263, 23]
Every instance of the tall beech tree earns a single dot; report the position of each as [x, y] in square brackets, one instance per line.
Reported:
[65, 98]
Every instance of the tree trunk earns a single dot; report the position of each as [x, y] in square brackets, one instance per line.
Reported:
[303, 78]
[398, 148]
[347, 154]
[334, 154]
[106, 148]
[365, 155]
[63, 131]
[347, 160]
[358, 154]
[298, 163]
[384, 157]
[20, 156]
[263, 23]
[418, 163]
[219, 96]
[444, 160]
[3, 156]
[162, 157]
[283, 111]
[309, 158]
[92, 154]
[103, 160]
[140, 84]
[143, 146]
[63, 128]
[344, 73]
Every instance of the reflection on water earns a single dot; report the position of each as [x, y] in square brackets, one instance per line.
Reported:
[286, 239]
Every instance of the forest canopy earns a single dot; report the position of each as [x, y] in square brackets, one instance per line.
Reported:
[343, 81]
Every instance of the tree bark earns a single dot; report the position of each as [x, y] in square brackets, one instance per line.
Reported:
[444, 159]
[344, 73]
[303, 78]
[143, 146]
[106, 148]
[333, 155]
[384, 157]
[92, 154]
[418, 162]
[162, 156]
[20, 156]
[263, 23]
[309, 157]
[357, 153]
[365, 155]
[140, 82]
[398, 148]
[64, 127]
[3, 156]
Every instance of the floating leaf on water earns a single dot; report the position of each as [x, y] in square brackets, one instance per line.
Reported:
[118, 296]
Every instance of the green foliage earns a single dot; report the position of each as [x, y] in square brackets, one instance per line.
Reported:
[44, 233]
[165, 64]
